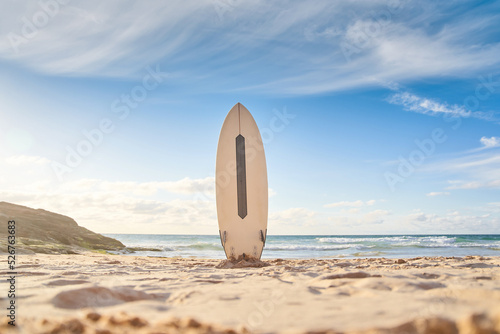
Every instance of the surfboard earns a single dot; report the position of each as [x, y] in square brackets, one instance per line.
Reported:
[241, 186]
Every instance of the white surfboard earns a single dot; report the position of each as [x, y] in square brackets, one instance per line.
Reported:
[241, 186]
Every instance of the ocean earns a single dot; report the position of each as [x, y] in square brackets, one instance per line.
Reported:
[318, 246]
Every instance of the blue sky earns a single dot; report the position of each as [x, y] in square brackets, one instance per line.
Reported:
[377, 116]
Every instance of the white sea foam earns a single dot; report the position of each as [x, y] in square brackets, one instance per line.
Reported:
[322, 246]
[314, 248]
[398, 241]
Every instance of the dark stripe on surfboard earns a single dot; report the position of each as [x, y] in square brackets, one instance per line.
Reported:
[241, 176]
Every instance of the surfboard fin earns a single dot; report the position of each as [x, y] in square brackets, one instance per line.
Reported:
[222, 238]
[263, 236]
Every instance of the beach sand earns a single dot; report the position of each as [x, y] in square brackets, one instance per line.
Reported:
[100, 293]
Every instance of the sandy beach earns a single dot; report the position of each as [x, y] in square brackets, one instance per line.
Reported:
[101, 293]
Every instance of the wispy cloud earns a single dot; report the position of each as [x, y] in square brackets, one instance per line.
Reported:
[18, 160]
[293, 217]
[490, 142]
[351, 204]
[419, 221]
[437, 193]
[424, 105]
[113, 38]
[411, 102]
[475, 184]
[193, 39]
[474, 169]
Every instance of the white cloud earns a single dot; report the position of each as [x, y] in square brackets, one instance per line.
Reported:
[437, 193]
[300, 217]
[417, 221]
[390, 51]
[421, 222]
[183, 206]
[117, 212]
[418, 215]
[422, 105]
[123, 207]
[18, 170]
[375, 216]
[100, 37]
[343, 204]
[26, 160]
[118, 38]
[475, 184]
[186, 186]
[490, 142]
[473, 169]
[475, 161]
[190, 186]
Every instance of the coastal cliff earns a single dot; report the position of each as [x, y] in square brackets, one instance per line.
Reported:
[42, 231]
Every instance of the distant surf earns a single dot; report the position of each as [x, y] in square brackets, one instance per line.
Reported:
[318, 246]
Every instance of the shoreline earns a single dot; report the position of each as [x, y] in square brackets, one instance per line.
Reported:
[320, 246]
[300, 295]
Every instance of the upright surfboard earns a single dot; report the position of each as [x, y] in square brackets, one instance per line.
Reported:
[241, 186]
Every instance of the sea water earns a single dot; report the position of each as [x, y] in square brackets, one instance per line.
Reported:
[318, 246]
